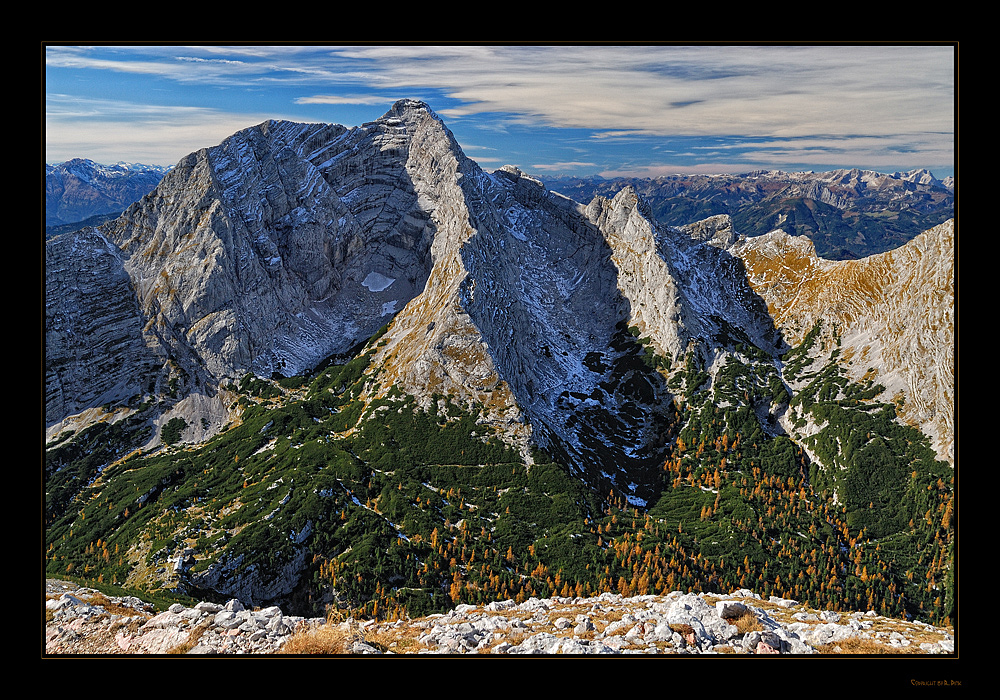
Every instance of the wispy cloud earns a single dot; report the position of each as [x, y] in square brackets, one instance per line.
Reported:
[560, 167]
[108, 131]
[758, 90]
[692, 90]
[341, 100]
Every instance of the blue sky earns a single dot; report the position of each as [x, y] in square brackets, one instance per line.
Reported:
[550, 110]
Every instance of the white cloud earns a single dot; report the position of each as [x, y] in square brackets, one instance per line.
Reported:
[560, 167]
[108, 131]
[693, 90]
[342, 100]
[901, 98]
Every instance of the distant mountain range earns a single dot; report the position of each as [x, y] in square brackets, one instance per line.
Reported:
[845, 213]
[81, 189]
[399, 380]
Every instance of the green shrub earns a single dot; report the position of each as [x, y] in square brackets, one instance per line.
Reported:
[171, 431]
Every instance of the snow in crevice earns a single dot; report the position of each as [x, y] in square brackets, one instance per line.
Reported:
[377, 282]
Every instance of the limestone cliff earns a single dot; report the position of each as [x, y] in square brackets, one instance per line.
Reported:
[93, 351]
[525, 309]
[284, 244]
[683, 288]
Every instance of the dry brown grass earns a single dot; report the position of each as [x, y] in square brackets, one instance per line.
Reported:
[325, 639]
[112, 608]
[747, 622]
[339, 634]
[398, 640]
[192, 640]
[336, 636]
[613, 615]
[512, 638]
[861, 645]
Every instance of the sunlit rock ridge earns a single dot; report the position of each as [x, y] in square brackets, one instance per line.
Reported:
[288, 243]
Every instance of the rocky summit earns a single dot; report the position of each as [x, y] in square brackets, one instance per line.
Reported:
[83, 621]
[894, 313]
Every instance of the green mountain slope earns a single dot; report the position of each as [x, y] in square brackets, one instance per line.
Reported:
[321, 497]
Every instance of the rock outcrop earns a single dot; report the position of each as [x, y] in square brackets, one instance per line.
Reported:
[682, 287]
[283, 245]
[85, 622]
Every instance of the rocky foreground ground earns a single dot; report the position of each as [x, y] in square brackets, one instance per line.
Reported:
[83, 621]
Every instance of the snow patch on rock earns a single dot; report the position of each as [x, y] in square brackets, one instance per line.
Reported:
[377, 282]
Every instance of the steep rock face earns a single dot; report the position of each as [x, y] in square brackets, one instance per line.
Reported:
[521, 294]
[543, 291]
[93, 352]
[894, 313]
[432, 347]
[682, 287]
[250, 585]
[521, 317]
[259, 263]
[284, 244]
[525, 314]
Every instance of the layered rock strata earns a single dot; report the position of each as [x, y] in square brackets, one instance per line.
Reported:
[94, 352]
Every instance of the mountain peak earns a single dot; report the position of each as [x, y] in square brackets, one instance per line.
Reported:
[408, 106]
[868, 303]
